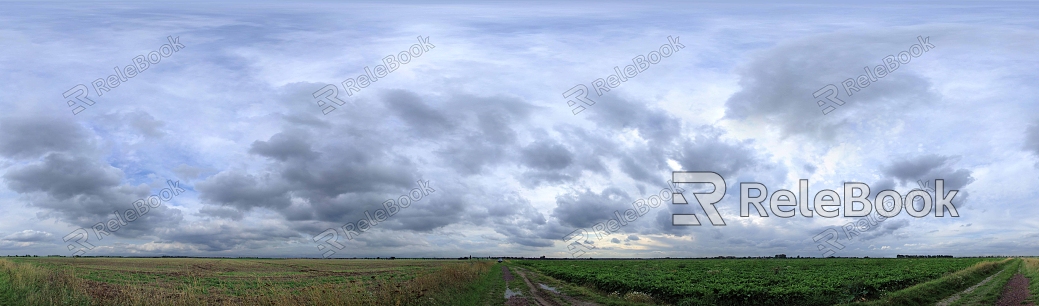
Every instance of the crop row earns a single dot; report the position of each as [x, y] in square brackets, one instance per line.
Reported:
[753, 281]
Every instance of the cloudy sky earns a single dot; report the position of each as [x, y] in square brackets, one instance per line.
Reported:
[225, 113]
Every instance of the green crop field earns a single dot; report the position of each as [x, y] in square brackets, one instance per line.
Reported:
[753, 281]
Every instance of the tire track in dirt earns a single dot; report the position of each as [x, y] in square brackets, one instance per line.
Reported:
[538, 295]
[515, 300]
[544, 298]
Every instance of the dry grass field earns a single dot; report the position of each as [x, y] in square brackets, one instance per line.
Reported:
[191, 281]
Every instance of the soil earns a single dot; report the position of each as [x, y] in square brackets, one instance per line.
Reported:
[515, 300]
[1015, 292]
[101, 291]
[541, 297]
[506, 274]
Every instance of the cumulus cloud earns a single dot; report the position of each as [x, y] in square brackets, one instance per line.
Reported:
[28, 236]
[482, 120]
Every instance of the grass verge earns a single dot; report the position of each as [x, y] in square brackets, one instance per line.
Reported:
[928, 293]
[26, 284]
[1030, 269]
[989, 293]
[481, 286]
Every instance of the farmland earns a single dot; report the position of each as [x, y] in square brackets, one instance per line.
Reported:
[190, 281]
[203, 281]
[768, 282]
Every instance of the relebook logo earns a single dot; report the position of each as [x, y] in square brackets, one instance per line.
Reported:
[79, 93]
[826, 202]
[330, 93]
[579, 93]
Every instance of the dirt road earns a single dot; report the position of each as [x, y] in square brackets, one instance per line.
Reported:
[541, 297]
[1015, 292]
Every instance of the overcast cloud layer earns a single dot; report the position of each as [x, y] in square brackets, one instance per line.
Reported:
[479, 125]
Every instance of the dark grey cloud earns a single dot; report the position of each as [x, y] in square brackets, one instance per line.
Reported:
[226, 236]
[582, 209]
[473, 154]
[914, 168]
[777, 85]
[929, 167]
[487, 136]
[440, 209]
[546, 155]
[423, 119]
[518, 220]
[28, 136]
[83, 191]
[266, 170]
[244, 191]
[886, 228]
[881, 185]
[64, 176]
[547, 162]
[617, 114]
[710, 152]
[1032, 139]
[69, 183]
[331, 177]
[592, 146]
[29, 236]
[643, 167]
[285, 145]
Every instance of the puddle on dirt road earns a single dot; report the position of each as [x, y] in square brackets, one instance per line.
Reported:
[549, 288]
[509, 293]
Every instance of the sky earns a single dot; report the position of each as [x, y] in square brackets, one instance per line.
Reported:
[247, 128]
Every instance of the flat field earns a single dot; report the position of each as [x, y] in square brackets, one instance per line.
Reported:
[192, 281]
[754, 281]
[198, 281]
